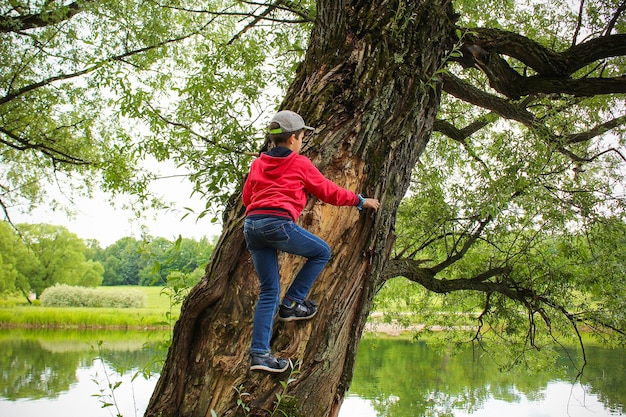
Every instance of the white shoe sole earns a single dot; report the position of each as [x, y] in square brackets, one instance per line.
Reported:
[296, 318]
[272, 370]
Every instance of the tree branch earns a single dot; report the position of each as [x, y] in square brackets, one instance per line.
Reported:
[270, 8]
[529, 298]
[38, 20]
[413, 270]
[282, 5]
[541, 59]
[470, 94]
[288, 6]
[206, 139]
[54, 154]
[5, 210]
[483, 48]
[596, 131]
[582, 87]
[532, 300]
[579, 22]
[616, 15]
[490, 42]
[460, 135]
[466, 246]
[92, 68]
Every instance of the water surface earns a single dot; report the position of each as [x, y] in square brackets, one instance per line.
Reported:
[69, 374]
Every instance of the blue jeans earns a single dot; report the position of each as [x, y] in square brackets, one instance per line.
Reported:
[264, 238]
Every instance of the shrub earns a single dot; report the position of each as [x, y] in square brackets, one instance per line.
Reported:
[67, 296]
[7, 303]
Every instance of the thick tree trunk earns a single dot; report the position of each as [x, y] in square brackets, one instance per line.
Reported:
[367, 84]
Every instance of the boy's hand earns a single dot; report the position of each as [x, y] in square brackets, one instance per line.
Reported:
[371, 203]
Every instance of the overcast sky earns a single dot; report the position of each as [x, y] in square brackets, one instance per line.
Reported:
[97, 218]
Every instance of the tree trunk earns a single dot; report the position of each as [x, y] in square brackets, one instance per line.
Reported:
[368, 84]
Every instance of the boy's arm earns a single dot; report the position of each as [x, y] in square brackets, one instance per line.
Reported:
[329, 192]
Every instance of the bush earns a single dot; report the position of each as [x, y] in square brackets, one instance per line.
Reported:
[7, 303]
[68, 296]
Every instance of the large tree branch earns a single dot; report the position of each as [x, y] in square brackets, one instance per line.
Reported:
[415, 271]
[483, 48]
[581, 87]
[470, 94]
[532, 301]
[513, 111]
[41, 19]
[581, 55]
[541, 59]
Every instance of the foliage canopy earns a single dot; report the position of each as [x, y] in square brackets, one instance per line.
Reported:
[44, 255]
[94, 94]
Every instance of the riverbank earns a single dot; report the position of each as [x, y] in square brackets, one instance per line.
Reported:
[158, 314]
[85, 318]
[146, 319]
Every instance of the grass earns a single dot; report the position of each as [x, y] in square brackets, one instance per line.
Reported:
[155, 299]
[16, 312]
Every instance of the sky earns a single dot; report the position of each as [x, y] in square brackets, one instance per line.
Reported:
[97, 218]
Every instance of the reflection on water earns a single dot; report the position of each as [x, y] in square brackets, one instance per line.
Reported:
[81, 398]
[402, 379]
[61, 374]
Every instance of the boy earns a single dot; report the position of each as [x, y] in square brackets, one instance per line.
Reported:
[274, 194]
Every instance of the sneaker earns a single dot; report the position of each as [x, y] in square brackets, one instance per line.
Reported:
[267, 362]
[298, 311]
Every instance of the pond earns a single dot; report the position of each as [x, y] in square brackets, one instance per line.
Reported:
[59, 374]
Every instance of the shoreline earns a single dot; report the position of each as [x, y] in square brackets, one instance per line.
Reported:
[394, 329]
[60, 326]
[387, 329]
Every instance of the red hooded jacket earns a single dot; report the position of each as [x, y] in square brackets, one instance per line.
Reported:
[283, 182]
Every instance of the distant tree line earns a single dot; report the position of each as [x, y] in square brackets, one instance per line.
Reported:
[149, 262]
[34, 257]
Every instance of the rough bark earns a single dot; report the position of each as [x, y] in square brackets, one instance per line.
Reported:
[486, 49]
[363, 84]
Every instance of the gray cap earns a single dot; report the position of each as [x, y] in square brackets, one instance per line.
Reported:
[288, 122]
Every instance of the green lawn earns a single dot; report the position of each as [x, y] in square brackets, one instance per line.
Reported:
[155, 298]
[15, 311]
